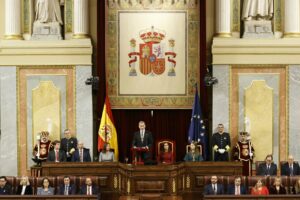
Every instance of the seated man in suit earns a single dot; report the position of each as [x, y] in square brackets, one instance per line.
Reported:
[290, 168]
[214, 188]
[236, 188]
[268, 168]
[57, 155]
[5, 188]
[67, 188]
[88, 188]
[81, 154]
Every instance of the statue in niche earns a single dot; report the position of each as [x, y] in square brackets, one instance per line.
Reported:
[47, 11]
[257, 16]
[257, 10]
[48, 21]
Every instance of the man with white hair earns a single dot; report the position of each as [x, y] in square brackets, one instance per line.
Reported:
[81, 154]
[290, 168]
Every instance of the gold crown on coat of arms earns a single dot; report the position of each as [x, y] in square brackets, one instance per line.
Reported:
[152, 35]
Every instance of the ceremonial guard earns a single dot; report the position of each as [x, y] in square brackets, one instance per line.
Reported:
[42, 148]
[221, 144]
[244, 152]
[68, 144]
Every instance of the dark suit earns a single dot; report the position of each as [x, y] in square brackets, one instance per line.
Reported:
[221, 140]
[83, 190]
[86, 155]
[66, 145]
[208, 190]
[6, 190]
[264, 171]
[286, 171]
[272, 190]
[71, 189]
[231, 189]
[61, 156]
[28, 190]
[147, 141]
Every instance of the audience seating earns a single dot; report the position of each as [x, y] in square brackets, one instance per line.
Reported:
[292, 182]
[78, 181]
[253, 179]
[284, 181]
[230, 180]
[60, 181]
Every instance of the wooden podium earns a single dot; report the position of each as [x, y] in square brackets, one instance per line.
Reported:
[137, 155]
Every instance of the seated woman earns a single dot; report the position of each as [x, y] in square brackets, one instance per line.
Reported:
[106, 155]
[46, 189]
[193, 154]
[259, 189]
[296, 188]
[166, 156]
[277, 187]
[24, 188]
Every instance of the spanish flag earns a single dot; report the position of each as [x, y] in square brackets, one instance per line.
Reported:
[107, 130]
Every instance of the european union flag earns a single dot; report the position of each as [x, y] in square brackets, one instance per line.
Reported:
[197, 131]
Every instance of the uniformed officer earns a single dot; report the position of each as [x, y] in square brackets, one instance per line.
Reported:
[68, 144]
[221, 144]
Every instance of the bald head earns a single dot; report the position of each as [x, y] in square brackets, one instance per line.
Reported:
[80, 145]
[290, 159]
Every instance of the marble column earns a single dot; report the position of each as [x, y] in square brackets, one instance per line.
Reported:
[8, 121]
[291, 18]
[84, 108]
[13, 20]
[294, 111]
[221, 94]
[223, 27]
[81, 19]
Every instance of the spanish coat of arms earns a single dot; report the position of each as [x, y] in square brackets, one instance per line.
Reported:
[152, 54]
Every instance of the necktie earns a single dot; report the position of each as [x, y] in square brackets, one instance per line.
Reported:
[56, 156]
[214, 189]
[89, 190]
[291, 170]
[66, 190]
[81, 156]
[142, 135]
[237, 190]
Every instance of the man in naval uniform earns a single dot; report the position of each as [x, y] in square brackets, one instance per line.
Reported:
[221, 144]
[68, 144]
[244, 152]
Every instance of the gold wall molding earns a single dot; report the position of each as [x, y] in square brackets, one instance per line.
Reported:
[46, 110]
[69, 5]
[236, 71]
[278, 15]
[259, 111]
[249, 51]
[235, 16]
[22, 73]
[32, 53]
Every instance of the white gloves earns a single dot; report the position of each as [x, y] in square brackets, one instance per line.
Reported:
[221, 151]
